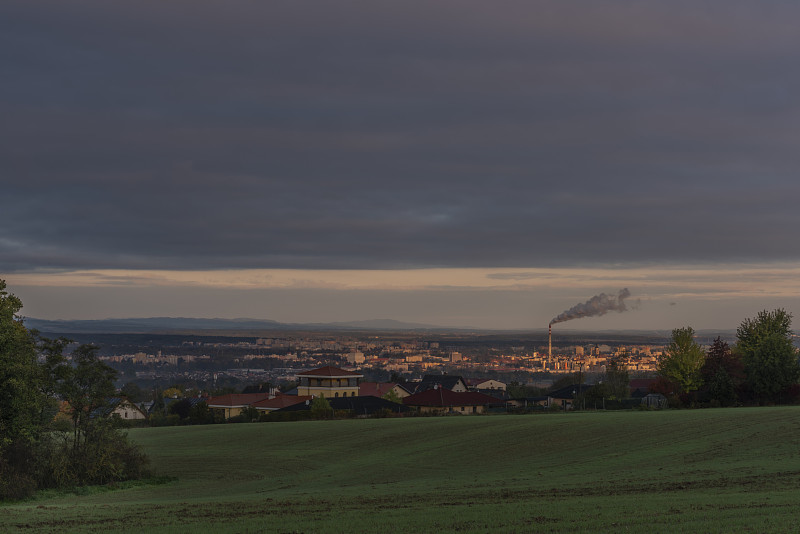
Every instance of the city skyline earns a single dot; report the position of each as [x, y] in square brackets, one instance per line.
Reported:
[453, 164]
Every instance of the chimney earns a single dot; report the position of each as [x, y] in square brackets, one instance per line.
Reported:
[550, 342]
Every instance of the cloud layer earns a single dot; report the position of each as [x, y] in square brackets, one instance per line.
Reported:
[155, 135]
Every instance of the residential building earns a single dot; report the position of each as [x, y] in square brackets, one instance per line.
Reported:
[330, 382]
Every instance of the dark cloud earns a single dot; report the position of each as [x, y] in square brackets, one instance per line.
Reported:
[362, 134]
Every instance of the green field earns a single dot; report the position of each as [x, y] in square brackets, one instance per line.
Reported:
[717, 470]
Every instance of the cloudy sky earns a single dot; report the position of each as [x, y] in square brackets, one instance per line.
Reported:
[455, 163]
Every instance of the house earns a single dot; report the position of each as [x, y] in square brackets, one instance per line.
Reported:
[443, 400]
[234, 404]
[122, 408]
[279, 402]
[329, 382]
[381, 389]
[359, 406]
[528, 403]
[480, 384]
[450, 382]
[565, 396]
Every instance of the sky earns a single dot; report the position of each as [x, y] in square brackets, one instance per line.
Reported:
[455, 163]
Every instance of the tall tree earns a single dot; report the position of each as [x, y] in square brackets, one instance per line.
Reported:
[22, 403]
[616, 380]
[722, 372]
[682, 361]
[770, 358]
[86, 386]
[30, 454]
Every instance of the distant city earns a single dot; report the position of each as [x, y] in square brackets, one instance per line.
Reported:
[215, 360]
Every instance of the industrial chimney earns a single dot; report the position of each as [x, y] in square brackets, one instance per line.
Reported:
[550, 342]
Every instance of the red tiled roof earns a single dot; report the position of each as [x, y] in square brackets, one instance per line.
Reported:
[329, 371]
[374, 389]
[446, 397]
[281, 401]
[237, 399]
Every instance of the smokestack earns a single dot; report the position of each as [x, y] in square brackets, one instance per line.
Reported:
[549, 342]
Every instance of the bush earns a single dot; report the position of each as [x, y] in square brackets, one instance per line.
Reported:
[16, 481]
[108, 457]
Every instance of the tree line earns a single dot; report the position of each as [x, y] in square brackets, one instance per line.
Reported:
[761, 368]
[36, 380]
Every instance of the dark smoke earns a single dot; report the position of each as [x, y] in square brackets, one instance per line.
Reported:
[598, 305]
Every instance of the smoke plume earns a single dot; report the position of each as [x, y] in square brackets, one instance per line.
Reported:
[598, 305]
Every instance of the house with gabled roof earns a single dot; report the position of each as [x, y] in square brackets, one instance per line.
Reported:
[443, 400]
[279, 402]
[358, 406]
[329, 382]
[381, 389]
[482, 384]
[452, 382]
[234, 404]
[120, 407]
[565, 397]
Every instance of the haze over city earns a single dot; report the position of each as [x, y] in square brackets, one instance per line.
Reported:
[451, 163]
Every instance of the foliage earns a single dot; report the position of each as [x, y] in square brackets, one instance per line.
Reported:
[96, 452]
[392, 396]
[182, 408]
[201, 414]
[566, 380]
[616, 380]
[682, 361]
[86, 386]
[34, 453]
[321, 408]
[250, 414]
[722, 373]
[23, 403]
[262, 387]
[105, 456]
[769, 357]
[134, 393]
[172, 393]
[516, 390]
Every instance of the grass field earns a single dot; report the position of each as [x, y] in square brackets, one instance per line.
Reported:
[723, 470]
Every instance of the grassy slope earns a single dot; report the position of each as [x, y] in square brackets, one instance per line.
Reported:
[705, 470]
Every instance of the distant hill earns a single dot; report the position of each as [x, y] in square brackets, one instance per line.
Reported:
[258, 327]
[186, 324]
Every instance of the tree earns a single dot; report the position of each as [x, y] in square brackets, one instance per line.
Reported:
[134, 393]
[392, 396]
[96, 452]
[769, 357]
[722, 373]
[566, 380]
[33, 454]
[22, 401]
[201, 414]
[682, 361]
[321, 408]
[182, 408]
[86, 387]
[616, 382]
